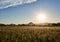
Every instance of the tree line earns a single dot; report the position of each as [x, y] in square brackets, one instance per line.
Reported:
[32, 24]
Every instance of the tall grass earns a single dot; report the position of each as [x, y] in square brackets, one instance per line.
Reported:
[26, 34]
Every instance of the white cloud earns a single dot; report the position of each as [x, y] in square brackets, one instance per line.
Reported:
[9, 3]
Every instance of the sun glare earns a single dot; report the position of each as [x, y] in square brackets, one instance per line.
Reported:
[41, 17]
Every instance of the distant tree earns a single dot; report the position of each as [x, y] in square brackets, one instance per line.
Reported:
[19, 24]
[31, 23]
[54, 24]
[12, 24]
[58, 24]
[2, 24]
[23, 24]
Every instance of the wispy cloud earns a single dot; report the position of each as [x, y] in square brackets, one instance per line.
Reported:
[9, 3]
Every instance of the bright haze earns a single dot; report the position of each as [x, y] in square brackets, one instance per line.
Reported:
[24, 11]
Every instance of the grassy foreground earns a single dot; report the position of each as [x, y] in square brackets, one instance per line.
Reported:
[29, 34]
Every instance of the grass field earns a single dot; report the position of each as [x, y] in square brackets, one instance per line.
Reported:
[29, 34]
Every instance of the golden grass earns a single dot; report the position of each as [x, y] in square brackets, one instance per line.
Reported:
[29, 34]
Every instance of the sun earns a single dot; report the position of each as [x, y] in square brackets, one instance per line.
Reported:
[41, 17]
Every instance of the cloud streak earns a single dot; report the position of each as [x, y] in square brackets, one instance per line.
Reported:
[10, 3]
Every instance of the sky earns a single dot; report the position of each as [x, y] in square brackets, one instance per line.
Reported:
[25, 11]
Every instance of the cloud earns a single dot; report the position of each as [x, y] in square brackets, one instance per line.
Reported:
[10, 3]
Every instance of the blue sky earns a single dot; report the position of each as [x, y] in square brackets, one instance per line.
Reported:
[26, 11]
